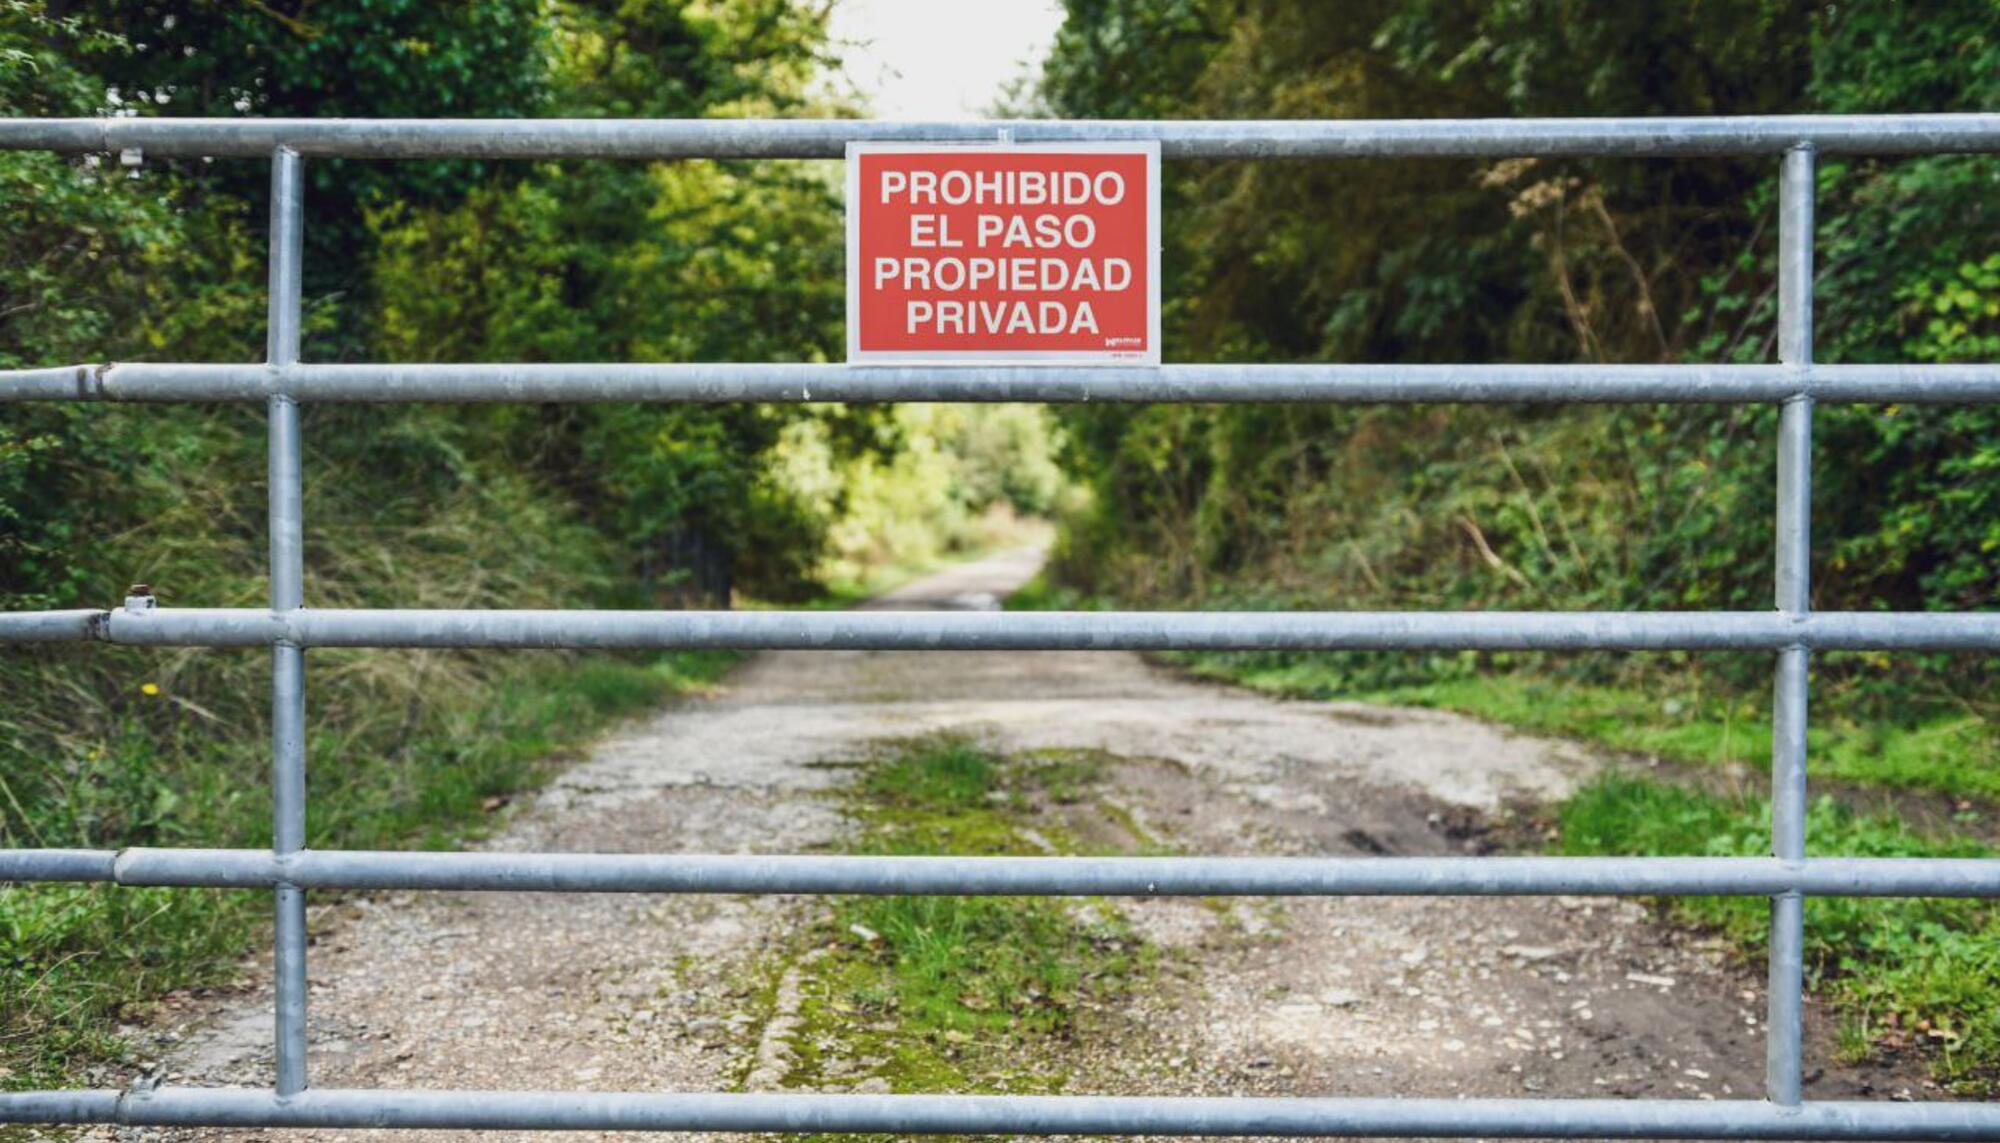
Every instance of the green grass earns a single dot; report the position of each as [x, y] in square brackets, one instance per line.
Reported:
[76, 959]
[949, 780]
[1676, 712]
[1922, 972]
[1957, 754]
[959, 993]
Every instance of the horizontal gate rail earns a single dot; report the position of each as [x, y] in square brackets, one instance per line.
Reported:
[1178, 139]
[1020, 631]
[706, 383]
[1791, 631]
[1009, 1115]
[1013, 876]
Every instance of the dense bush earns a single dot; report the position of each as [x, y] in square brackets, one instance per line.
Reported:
[1546, 260]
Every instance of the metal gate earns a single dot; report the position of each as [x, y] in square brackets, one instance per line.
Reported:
[1790, 632]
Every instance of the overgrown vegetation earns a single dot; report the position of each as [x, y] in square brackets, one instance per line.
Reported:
[1654, 508]
[1903, 972]
[154, 759]
[1685, 717]
[503, 506]
[1571, 508]
[959, 993]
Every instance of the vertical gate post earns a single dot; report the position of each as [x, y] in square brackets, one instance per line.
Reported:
[288, 666]
[1784, 1060]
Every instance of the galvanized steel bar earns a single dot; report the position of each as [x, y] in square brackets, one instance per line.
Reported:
[1785, 988]
[61, 864]
[286, 513]
[1007, 876]
[51, 626]
[57, 383]
[80, 1106]
[717, 383]
[1785, 1023]
[1180, 139]
[1027, 631]
[1903, 384]
[1061, 630]
[1007, 1115]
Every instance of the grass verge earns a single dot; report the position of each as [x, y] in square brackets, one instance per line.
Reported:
[75, 960]
[1918, 973]
[1903, 973]
[1957, 755]
[974, 994]
[1678, 713]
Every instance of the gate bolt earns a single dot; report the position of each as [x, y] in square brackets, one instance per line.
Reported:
[139, 597]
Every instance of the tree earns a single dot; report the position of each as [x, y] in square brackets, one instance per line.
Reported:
[683, 261]
[330, 59]
[1541, 260]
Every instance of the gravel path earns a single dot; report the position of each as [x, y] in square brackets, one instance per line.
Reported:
[1357, 996]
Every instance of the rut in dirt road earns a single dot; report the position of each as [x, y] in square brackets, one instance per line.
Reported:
[1357, 996]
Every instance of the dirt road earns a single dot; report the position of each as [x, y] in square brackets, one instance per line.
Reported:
[1361, 996]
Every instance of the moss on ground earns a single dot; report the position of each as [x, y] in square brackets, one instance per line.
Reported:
[965, 994]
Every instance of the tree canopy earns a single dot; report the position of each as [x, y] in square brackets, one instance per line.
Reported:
[1543, 260]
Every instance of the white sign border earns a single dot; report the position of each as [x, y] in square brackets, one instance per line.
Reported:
[971, 357]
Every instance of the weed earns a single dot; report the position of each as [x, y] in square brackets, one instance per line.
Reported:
[959, 993]
[944, 778]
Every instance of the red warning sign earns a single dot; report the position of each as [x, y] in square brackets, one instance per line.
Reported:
[1018, 253]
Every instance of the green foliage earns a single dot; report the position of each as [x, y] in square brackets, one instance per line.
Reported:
[109, 747]
[684, 261]
[1681, 714]
[1923, 971]
[1128, 59]
[1547, 260]
[951, 480]
[688, 261]
[1621, 509]
[325, 58]
[1960, 311]
[406, 506]
[93, 264]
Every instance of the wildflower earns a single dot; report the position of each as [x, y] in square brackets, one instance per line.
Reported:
[149, 689]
